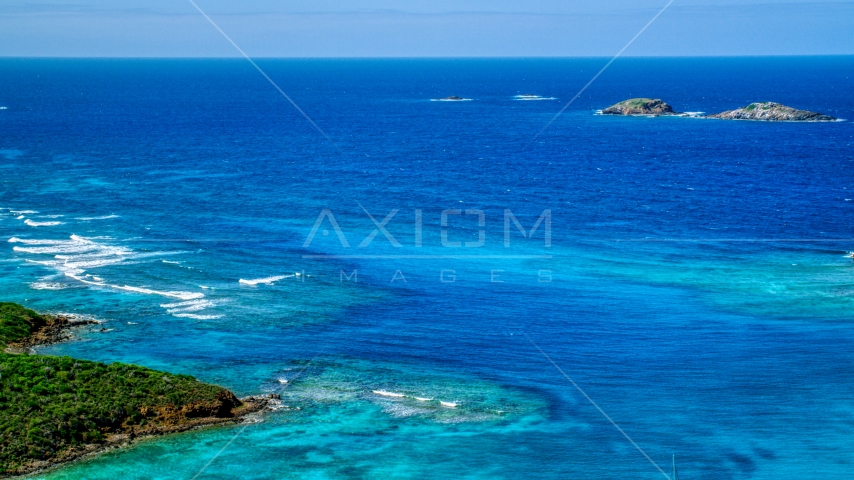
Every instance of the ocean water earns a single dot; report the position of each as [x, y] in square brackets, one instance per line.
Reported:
[693, 281]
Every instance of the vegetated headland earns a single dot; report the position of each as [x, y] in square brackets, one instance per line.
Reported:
[57, 409]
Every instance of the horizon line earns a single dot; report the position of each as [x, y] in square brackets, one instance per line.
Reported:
[414, 57]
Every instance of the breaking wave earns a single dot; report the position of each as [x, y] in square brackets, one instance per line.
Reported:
[33, 223]
[77, 255]
[265, 281]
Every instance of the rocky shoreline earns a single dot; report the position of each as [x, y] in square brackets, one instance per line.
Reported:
[249, 406]
[640, 106]
[757, 111]
[132, 420]
[772, 112]
[57, 329]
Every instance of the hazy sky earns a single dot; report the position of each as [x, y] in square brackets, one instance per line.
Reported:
[323, 28]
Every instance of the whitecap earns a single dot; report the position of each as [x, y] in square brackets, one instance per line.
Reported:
[172, 294]
[49, 286]
[423, 399]
[74, 256]
[58, 248]
[388, 394]
[530, 97]
[92, 263]
[188, 306]
[91, 256]
[159, 254]
[448, 404]
[265, 281]
[27, 241]
[89, 219]
[23, 212]
[42, 224]
[196, 317]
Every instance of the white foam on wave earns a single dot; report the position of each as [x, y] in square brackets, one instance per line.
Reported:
[159, 254]
[529, 98]
[33, 223]
[49, 286]
[73, 257]
[171, 294]
[29, 241]
[89, 219]
[448, 404]
[148, 291]
[59, 248]
[265, 281]
[196, 317]
[423, 399]
[93, 256]
[88, 264]
[188, 306]
[385, 393]
[23, 212]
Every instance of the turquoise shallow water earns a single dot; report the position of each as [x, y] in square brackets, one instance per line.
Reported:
[696, 286]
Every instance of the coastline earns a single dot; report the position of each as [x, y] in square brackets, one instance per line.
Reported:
[59, 328]
[158, 419]
[252, 405]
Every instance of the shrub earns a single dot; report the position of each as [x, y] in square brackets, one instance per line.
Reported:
[17, 322]
[49, 404]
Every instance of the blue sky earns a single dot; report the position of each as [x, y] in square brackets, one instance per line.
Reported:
[376, 28]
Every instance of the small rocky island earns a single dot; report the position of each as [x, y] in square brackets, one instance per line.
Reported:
[452, 98]
[761, 111]
[772, 112]
[56, 409]
[640, 106]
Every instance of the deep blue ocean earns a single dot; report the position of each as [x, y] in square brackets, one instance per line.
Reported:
[693, 279]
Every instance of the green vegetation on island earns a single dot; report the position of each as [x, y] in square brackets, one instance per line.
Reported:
[640, 106]
[55, 409]
[18, 323]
